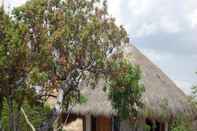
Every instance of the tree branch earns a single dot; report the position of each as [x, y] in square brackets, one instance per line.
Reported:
[27, 120]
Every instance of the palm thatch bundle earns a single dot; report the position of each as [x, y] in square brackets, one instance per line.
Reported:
[162, 98]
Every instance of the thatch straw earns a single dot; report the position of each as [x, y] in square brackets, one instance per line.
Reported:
[161, 98]
[97, 103]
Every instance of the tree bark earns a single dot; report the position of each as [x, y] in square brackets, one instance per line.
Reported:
[11, 114]
[1, 109]
[48, 125]
[17, 119]
[54, 116]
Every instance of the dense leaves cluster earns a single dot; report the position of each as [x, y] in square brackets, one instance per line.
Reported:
[181, 125]
[14, 66]
[68, 38]
[36, 114]
[125, 89]
[48, 46]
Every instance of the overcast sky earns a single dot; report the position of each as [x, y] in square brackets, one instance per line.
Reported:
[164, 30]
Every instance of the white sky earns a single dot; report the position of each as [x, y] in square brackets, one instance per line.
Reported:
[164, 30]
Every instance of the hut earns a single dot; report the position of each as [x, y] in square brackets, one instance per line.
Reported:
[163, 101]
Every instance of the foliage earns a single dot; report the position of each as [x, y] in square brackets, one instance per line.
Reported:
[180, 125]
[53, 44]
[194, 92]
[147, 127]
[125, 89]
[193, 97]
[12, 56]
[83, 99]
[68, 38]
[13, 66]
[37, 114]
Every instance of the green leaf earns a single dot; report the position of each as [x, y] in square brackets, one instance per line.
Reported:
[83, 99]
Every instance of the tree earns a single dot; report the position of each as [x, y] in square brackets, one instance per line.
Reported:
[56, 44]
[193, 97]
[15, 70]
[125, 89]
[12, 65]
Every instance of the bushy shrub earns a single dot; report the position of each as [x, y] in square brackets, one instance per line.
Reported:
[180, 125]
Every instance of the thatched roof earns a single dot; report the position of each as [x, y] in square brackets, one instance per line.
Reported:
[162, 98]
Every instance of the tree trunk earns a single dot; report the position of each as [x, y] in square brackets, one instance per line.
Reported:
[11, 114]
[54, 116]
[17, 119]
[1, 109]
[53, 123]
[48, 124]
